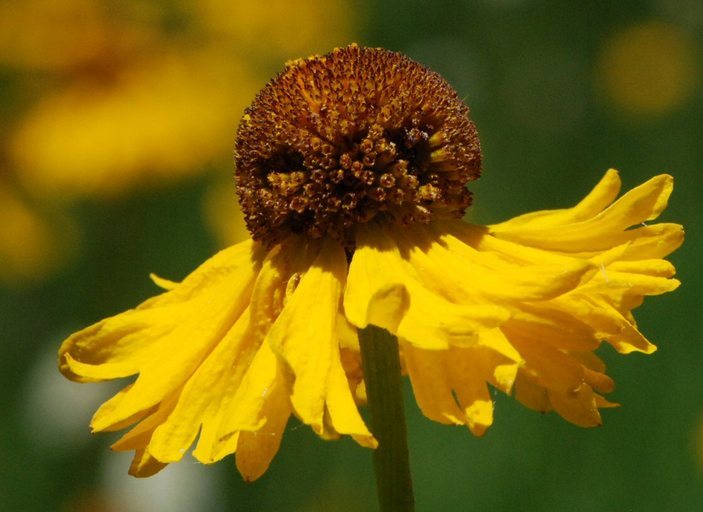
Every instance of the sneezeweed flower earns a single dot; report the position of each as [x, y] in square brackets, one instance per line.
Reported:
[351, 170]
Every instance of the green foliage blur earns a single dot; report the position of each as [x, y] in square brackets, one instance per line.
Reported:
[560, 92]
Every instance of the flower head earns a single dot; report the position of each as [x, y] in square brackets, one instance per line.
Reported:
[361, 134]
[351, 170]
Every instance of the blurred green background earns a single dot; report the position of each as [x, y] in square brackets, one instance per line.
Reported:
[118, 120]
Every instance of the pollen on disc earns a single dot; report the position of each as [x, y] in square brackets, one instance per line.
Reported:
[358, 134]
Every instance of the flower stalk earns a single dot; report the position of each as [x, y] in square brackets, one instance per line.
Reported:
[381, 363]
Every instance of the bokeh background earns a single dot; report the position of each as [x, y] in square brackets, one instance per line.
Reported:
[117, 126]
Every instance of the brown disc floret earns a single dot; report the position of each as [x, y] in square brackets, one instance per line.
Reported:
[357, 134]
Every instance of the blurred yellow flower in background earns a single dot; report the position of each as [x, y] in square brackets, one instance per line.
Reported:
[649, 69]
[279, 28]
[64, 36]
[33, 240]
[110, 97]
[157, 122]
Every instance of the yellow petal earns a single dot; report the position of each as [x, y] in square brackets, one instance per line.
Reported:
[460, 273]
[115, 347]
[144, 465]
[557, 328]
[122, 344]
[247, 409]
[199, 401]
[343, 412]
[612, 283]
[496, 341]
[164, 284]
[450, 386]
[165, 342]
[606, 321]
[648, 267]
[230, 261]
[530, 394]
[598, 381]
[637, 206]
[471, 369]
[578, 406]
[476, 243]
[382, 289]
[256, 449]
[597, 200]
[139, 436]
[657, 241]
[547, 366]
[304, 334]
[432, 385]
[269, 289]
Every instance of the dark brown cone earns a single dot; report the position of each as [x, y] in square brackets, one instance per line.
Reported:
[357, 134]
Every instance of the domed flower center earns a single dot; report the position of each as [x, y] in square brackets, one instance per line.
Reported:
[357, 134]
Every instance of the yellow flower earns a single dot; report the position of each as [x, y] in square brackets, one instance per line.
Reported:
[351, 170]
[649, 69]
[33, 240]
[69, 142]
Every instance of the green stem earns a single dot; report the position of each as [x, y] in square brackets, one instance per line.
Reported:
[381, 363]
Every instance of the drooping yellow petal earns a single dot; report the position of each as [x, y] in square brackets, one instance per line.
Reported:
[246, 410]
[381, 281]
[343, 412]
[305, 337]
[608, 323]
[469, 278]
[145, 465]
[199, 400]
[579, 406]
[554, 327]
[255, 377]
[472, 370]
[451, 386]
[191, 337]
[140, 435]
[530, 394]
[548, 366]
[256, 449]
[432, 384]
